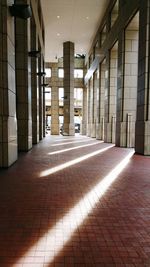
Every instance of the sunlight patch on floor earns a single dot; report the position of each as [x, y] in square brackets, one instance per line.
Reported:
[73, 142]
[56, 238]
[73, 162]
[73, 148]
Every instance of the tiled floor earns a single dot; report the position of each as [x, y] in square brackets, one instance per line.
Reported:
[87, 212]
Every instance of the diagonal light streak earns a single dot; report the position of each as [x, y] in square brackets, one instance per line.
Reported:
[71, 139]
[73, 148]
[73, 162]
[73, 142]
[56, 238]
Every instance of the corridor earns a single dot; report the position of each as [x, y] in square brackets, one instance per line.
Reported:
[75, 201]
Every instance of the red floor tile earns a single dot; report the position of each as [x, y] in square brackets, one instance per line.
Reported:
[115, 231]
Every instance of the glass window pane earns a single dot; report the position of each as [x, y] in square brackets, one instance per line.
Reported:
[61, 73]
[48, 72]
[114, 13]
[78, 73]
[103, 34]
[61, 96]
[78, 97]
[48, 96]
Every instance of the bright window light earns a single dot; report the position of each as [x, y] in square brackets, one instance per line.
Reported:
[61, 73]
[56, 238]
[48, 72]
[78, 73]
[61, 96]
[78, 97]
[48, 93]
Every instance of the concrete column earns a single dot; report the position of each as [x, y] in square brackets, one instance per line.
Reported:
[44, 107]
[41, 89]
[68, 51]
[94, 105]
[54, 101]
[142, 132]
[8, 122]
[127, 85]
[89, 93]
[97, 103]
[34, 86]
[23, 82]
[113, 93]
[119, 113]
[130, 87]
[84, 113]
[54, 111]
[107, 124]
[100, 105]
[110, 95]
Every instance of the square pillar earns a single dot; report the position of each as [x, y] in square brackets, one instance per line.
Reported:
[41, 90]
[100, 104]
[54, 111]
[142, 129]
[84, 113]
[68, 52]
[89, 102]
[23, 82]
[8, 121]
[34, 85]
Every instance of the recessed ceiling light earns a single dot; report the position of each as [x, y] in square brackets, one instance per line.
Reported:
[58, 34]
[58, 17]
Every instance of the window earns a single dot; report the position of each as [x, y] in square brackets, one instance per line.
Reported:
[78, 97]
[78, 73]
[114, 13]
[103, 34]
[48, 96]
[61, 96]
[94, 49]
[61, 73]
[48, 72]
[90, 59]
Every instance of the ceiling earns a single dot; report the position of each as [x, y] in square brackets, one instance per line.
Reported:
[70, 20]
